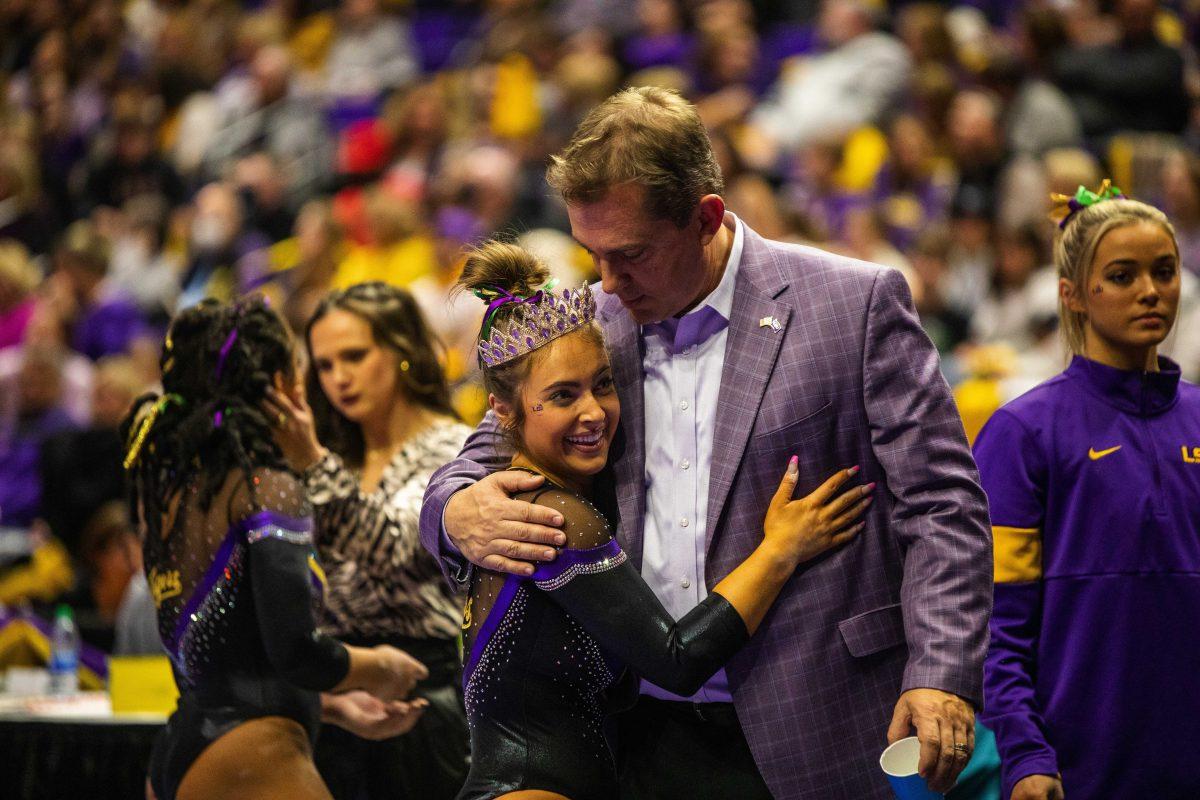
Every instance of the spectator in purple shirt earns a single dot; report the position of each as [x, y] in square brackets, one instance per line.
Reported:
[661, 39]
[812, 189]
[37, 417]
[914, 188]
[103, 320]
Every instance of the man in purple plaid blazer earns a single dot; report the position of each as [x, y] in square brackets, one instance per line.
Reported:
[731, 353]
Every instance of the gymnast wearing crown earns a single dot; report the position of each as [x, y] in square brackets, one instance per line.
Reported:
[541, 651]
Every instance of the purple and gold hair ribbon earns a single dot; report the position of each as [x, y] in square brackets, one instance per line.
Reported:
[1070, 205]
[499, 298]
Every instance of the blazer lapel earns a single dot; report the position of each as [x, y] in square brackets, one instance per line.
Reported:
[629, 462]
[750, 354]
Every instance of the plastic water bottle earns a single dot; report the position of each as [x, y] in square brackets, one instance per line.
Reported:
[64, 653]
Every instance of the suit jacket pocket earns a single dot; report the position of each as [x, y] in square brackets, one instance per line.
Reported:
[784, 422]
[873, 631]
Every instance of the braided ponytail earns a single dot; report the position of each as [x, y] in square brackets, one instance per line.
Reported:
[217, 364]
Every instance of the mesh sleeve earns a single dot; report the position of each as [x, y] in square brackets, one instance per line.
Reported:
[592, 580]
[281, 565]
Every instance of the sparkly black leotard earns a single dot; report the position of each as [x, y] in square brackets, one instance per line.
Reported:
[235, 587]
[542, 651]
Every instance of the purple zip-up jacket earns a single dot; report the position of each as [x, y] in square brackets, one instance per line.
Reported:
[1093, 479]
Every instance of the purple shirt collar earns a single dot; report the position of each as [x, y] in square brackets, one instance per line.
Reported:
[693, 328]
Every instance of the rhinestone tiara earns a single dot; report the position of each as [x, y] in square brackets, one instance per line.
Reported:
[536, 321]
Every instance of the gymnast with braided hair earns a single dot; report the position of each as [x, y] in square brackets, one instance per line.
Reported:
[229, 557]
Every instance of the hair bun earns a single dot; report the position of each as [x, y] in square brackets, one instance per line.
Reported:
[503, 266]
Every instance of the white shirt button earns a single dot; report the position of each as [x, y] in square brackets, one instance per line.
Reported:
[683, 405]
[685, 583]
[683, 522]
[684, 464]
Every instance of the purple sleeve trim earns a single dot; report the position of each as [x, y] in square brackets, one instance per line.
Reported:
[572, 563]
[495, 616]
[265, 518]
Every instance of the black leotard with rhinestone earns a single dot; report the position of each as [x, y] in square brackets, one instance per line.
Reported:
[541, 652]
[237, 587]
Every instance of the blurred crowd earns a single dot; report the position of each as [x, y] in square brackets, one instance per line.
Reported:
[155, 152]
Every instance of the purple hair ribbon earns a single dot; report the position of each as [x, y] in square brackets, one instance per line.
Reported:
[225, 348]
[504, 299]
[501, 297]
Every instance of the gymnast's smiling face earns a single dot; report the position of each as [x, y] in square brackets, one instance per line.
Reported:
[569, 410]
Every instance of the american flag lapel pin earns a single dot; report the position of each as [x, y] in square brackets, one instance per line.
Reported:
[769, 322]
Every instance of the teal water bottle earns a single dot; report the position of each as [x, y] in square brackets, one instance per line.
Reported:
[64, 653]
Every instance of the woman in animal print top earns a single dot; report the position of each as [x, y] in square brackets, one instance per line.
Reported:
[380, 423]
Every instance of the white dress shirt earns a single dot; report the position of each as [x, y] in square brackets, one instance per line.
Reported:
[681, 389]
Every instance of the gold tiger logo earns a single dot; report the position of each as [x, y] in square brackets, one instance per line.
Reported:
[164, 585]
